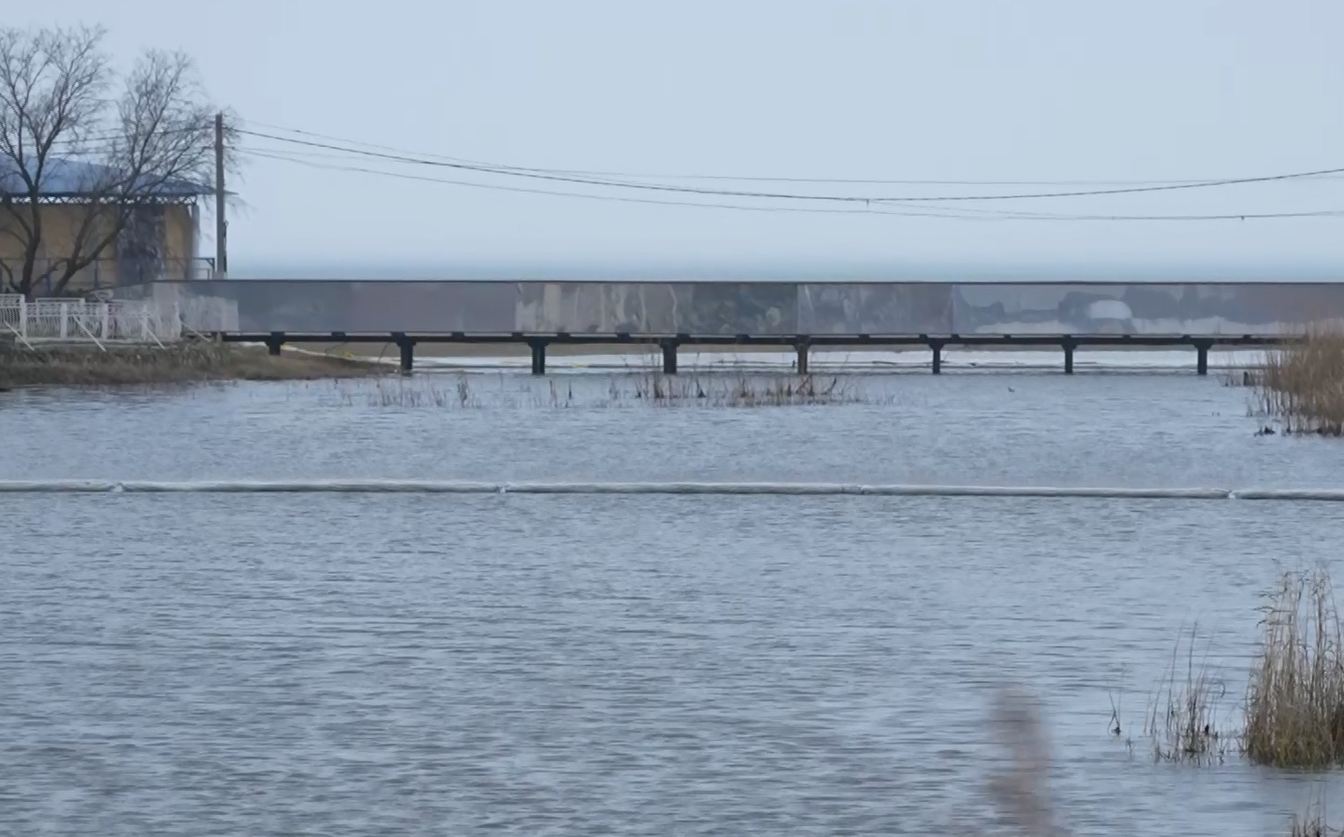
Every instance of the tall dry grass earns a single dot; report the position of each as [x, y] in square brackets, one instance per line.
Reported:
[742, 391]
[1312, 824]
[653, 390]
[1295, 700]
[399, 393]
[1302, 384]
[1183, 716]
[1020, 789]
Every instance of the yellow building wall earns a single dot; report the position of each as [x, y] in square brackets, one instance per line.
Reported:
[60, 224]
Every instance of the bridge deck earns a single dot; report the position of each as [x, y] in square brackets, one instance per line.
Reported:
[796, 314]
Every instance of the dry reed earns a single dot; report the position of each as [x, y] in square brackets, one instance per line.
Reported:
[742, 391]
[1295, 699]
[649, 390]
[1302, 384]
[1312, 824]
[400, 393]
[1182, 717]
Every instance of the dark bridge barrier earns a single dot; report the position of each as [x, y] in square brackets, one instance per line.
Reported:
[800, 315]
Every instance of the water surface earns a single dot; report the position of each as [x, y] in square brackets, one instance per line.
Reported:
[450, 664]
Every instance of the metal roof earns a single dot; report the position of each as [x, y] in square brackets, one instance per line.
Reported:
[67, 178]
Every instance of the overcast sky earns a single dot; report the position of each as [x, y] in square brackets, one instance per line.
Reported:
[1028, 90]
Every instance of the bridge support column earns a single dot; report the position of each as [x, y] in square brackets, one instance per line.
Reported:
[803, 345]
[936, 346]
[1069, 345]
[669, 356]
[407, 347]
[1202, 363]
[538, 356]
[274, 342]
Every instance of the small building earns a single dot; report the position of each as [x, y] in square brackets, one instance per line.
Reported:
[159, 241]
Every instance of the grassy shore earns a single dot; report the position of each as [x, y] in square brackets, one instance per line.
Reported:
[176, 364]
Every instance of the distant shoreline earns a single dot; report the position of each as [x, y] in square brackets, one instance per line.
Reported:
[187, 363]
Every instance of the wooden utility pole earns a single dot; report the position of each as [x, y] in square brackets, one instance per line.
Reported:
[221, 225]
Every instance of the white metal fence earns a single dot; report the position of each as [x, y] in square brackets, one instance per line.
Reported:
[87, 321]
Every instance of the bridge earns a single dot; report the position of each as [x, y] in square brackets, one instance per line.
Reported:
[797, 315]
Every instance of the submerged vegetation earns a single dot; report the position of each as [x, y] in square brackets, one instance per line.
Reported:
[1020, 791]
[400, 393]
[1302, 384]
[740, 391]
[1182, 717]
[1312, 824]
[621, 390]
[1294, 708]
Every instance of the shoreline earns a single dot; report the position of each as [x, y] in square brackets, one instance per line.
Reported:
[184, 363]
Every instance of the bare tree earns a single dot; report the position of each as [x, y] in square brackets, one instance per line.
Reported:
[62, 138]
[7, 283]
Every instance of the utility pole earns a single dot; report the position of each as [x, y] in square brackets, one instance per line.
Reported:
[221, 225]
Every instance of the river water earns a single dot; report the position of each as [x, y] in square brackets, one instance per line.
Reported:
[300, 663]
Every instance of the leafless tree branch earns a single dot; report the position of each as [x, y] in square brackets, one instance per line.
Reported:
[154, 143]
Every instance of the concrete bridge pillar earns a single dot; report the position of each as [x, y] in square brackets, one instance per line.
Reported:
[669, 356]
[407, 347]
[936, 346]
[803, 346]
[1202, 363]
[1069, 345]
[538, 356]
[274, 342]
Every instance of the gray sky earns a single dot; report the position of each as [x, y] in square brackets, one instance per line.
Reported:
[901, 89]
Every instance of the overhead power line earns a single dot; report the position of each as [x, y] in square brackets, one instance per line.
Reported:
[931, 212]
[856, 181]
[858, 210]
[732, 193]
[110, 135]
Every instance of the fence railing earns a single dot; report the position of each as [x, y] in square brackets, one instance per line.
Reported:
[87, 321]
